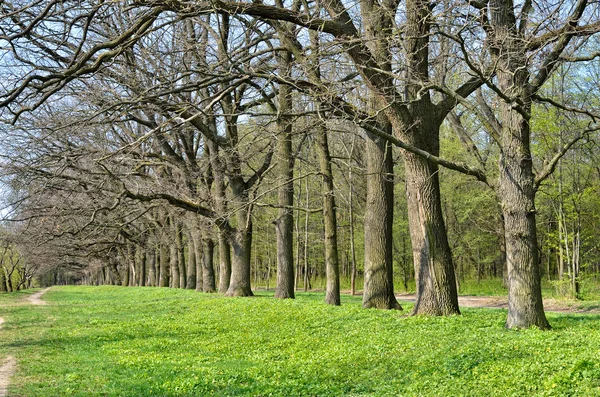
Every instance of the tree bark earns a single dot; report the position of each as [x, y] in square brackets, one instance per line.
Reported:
[208, 270]
[284, 224]
[241, 244]
[3, 287]
[378, 283]
[163, 277]
[190, 282]
[516, 189]
[151, 264]
[173, 263]
[224, 262]
[180, 254]
[434, 271]
[332, 269]
[378, 289]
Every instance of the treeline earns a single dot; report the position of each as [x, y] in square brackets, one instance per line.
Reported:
[209, 145]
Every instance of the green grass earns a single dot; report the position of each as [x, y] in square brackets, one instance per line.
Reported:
[114, 341]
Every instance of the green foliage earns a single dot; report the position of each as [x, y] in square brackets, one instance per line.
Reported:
[112, 341]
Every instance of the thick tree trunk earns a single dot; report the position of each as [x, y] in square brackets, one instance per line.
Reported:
[199, 253]
[525, 307]
[516, 189]
[190, 282]
[332, 269]
[163, 277]
[517, 195]
[208, 269]
[151, 264]
[126, 275]
[378, 289]
[240, 265]
[284, 224]
[378, 285]
[353, 270]
[3, 287]
[173, 264]
[434, 271]
[180, 255]
[140, 265]
[241, 244]
[224, 262]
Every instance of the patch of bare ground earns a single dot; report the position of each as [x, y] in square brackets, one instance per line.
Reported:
[6, 370]
[36, 299]
[9, 364]
[499, 302]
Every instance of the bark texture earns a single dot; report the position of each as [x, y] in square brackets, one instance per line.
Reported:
[332, 268]
[208, 267]
[516, 190]
[284, 224]
[379, 288]
[379, 284]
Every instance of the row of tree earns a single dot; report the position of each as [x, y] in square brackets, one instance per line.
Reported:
[147, 135]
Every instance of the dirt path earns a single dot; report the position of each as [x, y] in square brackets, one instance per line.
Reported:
[6, 370]
[35, 299]
[8, 364]
[498, 302]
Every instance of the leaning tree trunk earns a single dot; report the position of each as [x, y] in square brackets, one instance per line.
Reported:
[434, 272]
[284, 224]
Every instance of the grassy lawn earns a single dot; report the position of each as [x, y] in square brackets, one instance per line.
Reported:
[114, 341]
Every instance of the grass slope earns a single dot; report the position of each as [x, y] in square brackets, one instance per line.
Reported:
[113, 341]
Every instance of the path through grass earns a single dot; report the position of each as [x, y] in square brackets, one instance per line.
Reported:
[113, 341]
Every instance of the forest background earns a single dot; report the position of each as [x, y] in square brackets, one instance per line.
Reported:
[311, 145]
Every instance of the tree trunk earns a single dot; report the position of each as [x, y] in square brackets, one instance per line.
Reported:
[208, 270]
[224, 262]
[351, 219]
[163, 278]
[378, 285]
[151, 264]
[140, 264]
[306, 266]
[174, 265]
[3, 287]
[190, 282]
[332, 271]
[516, 191]
[241, 244]
[180, 254]
[434, 271]
[284, 224]
[126, 272]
